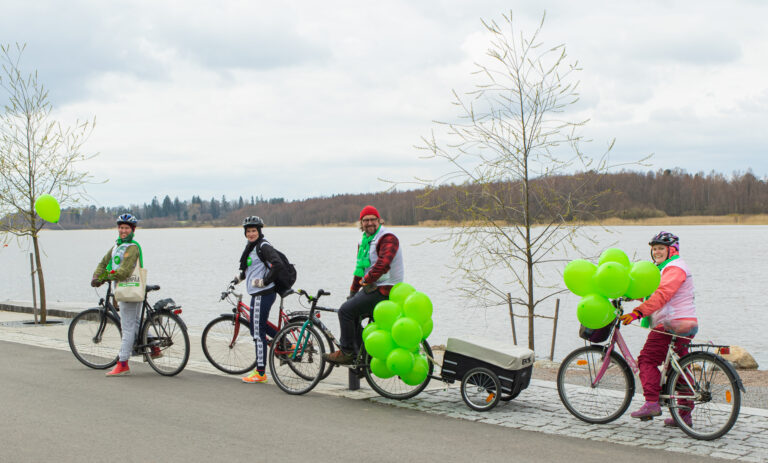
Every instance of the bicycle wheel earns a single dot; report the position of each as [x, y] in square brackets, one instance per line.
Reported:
[328, 345]
[595, 403]
[296, 358]
[229, 353]
[705, 401]
[480, 389]
[394, 387]
[167, 343]
[94, 337]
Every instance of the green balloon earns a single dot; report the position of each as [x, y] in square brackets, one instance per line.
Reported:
[419, 373]
[611, 279]
[595, 311]
[379, 368]
[578, 276]
[369, 328]
[406, 332]
[644, 279]
[426, 328]
[385, 313]
[400, 361]
[47, 207]
[614, 255]
[379, 344]
[400, 292]
[418, 306]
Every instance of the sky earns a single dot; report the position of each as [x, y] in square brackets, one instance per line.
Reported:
[299, 99]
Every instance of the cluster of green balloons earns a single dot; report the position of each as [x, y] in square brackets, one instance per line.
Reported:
[47, 207]
[394, 337]
[613, 277]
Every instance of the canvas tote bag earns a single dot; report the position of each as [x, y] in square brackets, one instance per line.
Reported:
[134, 288]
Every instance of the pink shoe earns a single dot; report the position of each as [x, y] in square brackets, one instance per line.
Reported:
[121, 369]
[647, 411]
[671, 423]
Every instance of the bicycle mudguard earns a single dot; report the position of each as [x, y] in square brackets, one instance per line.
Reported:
[725, 362]
[181, 320]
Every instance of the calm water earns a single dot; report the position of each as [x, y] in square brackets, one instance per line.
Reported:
[194, 265]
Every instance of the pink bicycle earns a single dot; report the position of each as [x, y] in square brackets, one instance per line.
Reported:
[596, 383]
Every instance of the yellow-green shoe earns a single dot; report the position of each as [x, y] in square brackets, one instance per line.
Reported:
[255, 377]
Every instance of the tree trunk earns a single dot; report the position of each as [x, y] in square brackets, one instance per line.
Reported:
[40, 280]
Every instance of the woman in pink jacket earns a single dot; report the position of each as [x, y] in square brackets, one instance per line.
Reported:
[672, 311]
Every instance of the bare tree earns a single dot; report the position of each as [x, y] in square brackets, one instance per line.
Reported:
[37, 156]
[509, 152]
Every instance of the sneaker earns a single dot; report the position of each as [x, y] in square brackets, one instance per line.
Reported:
[255, 377]
[121, 369]
[647, 411]
[339, 357]
[671, 423]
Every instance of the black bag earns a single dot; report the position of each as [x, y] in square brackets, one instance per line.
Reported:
[285, 273]
[595, 335]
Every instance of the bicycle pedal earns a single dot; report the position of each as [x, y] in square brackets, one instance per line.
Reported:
[646, 418]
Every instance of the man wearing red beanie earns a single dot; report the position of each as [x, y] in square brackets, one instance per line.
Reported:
[379, 267]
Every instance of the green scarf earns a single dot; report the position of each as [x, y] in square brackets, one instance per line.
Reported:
[364, 254]
[664, 264]
[129, 239]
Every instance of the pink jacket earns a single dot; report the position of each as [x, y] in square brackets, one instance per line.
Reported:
[672, 306]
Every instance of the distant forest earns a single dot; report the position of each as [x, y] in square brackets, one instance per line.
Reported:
[629, 195]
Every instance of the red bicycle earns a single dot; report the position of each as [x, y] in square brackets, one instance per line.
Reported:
[228, 342]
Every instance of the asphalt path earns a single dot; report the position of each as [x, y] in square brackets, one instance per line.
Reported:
[57, 410]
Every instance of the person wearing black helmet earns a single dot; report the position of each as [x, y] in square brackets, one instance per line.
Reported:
[259, 278]
[117, 265]
[672, 311]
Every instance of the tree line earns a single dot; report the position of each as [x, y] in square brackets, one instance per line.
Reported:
[626, 194]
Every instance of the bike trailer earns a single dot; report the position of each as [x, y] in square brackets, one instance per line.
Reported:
[512, 364]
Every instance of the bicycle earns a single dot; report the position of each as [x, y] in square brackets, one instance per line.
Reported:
[296, 357]
[596, 384]
[227, 340]
[95, 335]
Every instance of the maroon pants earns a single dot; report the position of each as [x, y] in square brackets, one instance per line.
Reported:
[653, 354]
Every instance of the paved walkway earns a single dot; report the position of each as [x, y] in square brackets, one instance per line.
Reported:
[538, 408]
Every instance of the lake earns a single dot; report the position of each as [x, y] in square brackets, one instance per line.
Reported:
[193, 265]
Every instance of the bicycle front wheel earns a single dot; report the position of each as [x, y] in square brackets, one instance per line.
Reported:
[94, 337]
[596, 402]
[394, 387]
[166, 342]
[228, 345]
[296, 358]
[704, 396]
[325, 338]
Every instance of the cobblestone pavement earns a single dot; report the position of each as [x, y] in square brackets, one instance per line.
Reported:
[538, 407]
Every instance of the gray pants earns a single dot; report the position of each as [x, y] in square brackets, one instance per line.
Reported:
[129, 320]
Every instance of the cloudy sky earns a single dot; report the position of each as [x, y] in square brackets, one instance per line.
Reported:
[296, 99]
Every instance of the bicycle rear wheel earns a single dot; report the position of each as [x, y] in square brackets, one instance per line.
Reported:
[598, 403]
[296, 358]
[167, 343]
[94, 337]
[229, 353]
[394, 387]
[705, 401]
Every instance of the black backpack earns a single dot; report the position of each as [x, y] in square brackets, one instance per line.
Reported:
[285, 275]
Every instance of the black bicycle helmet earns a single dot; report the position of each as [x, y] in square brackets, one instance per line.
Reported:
[253, 221]
[665, 238]
[127, 219]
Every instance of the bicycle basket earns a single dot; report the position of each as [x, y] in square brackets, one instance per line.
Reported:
[165, 304]
[595, 335]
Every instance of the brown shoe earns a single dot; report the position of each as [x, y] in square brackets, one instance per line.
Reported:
[339, 357]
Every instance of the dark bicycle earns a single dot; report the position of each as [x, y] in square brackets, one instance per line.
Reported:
[95, 335]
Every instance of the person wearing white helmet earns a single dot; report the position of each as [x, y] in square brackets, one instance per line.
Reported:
[117, 265]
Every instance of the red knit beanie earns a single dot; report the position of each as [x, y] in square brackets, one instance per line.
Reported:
[369, 210]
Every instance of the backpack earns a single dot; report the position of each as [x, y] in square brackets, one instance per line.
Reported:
[285, 275]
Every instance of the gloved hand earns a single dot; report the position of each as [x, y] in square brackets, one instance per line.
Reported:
[628, 318]
[257, 283]
[96, 282]
[236, 279]
[370, 288]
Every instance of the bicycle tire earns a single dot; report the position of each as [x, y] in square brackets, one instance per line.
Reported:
[394, 387]
[716, 396]
[598, 404]
[83, 329]
[230, 355]
[480, 389]
[167, 332]
[301, 374]
[328, 344]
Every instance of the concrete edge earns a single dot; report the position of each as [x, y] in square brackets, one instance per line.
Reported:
[31, 310]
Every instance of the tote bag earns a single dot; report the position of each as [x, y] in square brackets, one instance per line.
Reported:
[134, 288]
